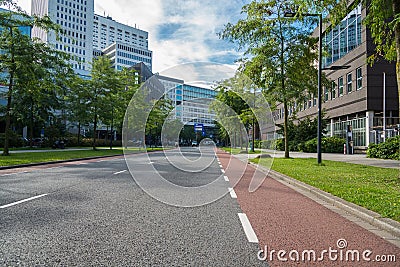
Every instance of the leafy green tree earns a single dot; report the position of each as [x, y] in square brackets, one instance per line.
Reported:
[382, 20]
[102, 87]
[76, 103]
[156, 119]
[120, 98]
[279, 54]
[23, 61]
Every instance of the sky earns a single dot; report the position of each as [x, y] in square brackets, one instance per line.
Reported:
[180, 31]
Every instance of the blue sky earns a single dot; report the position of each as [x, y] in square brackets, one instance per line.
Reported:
[180, 31]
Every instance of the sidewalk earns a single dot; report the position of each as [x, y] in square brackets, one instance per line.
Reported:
[285, 219]
[355, 159]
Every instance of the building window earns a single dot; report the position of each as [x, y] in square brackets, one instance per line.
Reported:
[333, 90]
[359, 78]
[326, 94]
[343, 38]
[349, 83]
[340, 85]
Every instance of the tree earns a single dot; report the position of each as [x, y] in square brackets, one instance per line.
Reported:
[76, 103]
[280, 54]
[101, 88]
[232, 110]
[23, 60]
[121, 97]
[158, 114]
[383, 21]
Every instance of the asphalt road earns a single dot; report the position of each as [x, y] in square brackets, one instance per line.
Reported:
[93, 213]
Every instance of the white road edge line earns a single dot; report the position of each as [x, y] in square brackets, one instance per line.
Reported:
[120, 172]
[248, 230]
[226, 178]
[232, 192]
[222, 170]
[22, 201]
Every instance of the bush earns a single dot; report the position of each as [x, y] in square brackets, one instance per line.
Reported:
[15, 140]
[269, 144]
[328, 145]
[386, 150]
[88, 142]
[280, 144]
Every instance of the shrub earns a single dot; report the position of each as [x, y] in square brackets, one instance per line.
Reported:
[328, 145]
[269, 144]
[15, 140]
[386, 150]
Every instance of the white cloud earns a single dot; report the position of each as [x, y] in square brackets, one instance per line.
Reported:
[190, 27]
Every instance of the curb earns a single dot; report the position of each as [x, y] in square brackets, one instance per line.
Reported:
[375, 219]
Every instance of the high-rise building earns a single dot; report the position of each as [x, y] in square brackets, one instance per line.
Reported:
[124, 44]
[76, 20]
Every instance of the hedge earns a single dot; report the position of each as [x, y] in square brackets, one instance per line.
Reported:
[328, 144]
[386, 150]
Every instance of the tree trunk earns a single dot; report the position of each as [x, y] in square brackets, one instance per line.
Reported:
[6, 149]
[396, 10]
[94, 131]
[79, 133]
[31, 125]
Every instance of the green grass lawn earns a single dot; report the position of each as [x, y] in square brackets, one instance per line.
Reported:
[238, 150]
[377, 189]
[55, 155]
[36, 157]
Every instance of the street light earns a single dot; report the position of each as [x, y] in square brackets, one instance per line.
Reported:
[319, 131]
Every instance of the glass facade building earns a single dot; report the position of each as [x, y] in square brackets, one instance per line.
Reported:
[343, 38]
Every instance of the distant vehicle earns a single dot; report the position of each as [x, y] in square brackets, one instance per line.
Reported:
[194, 143]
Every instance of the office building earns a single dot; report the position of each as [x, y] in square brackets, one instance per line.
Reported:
[76, 20]
[26, 30]
[355, 96]
[125, 55]
[125, 45]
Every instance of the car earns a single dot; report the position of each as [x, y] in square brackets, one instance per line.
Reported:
[194, 143]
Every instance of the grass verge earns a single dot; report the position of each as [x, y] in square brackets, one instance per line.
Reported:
[18, 158]
[235, 151]
[377, 189]
[37, 157]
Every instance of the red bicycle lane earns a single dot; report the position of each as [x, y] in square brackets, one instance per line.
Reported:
[294, 230]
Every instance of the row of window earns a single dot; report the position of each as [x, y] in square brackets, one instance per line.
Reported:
[76, 50]
[337, 89]
[128, 55]
[72, 12]
[71, 3]
[134, 57]
[71, 18]
[134, 50]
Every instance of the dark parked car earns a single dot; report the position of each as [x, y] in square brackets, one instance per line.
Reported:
[59, 144]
